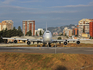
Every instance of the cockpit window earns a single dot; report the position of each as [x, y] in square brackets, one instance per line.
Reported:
[47, 32]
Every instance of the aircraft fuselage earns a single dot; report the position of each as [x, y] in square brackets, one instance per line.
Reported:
[47, 37]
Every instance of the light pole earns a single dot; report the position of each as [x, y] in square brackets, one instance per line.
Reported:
[55, 48]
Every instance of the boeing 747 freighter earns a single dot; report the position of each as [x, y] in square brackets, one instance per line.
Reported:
[47, 39]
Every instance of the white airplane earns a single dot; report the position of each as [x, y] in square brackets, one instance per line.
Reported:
[47, 39]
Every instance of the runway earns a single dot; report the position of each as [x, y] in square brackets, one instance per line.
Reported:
[69, 50]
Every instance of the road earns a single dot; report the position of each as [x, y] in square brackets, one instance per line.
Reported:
[69, 50]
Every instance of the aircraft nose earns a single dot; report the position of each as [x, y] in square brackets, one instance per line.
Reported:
[48, 38]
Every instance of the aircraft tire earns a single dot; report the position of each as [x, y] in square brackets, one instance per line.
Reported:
[49, 45]
[38, 45]
[43, 45]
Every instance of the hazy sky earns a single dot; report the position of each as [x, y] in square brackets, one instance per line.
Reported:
[54, 12]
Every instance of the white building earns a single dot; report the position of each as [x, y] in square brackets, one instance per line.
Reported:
[67, 31]
[38, 31]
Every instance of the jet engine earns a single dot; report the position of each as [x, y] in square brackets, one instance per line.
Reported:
[65, 43]
[78, 42]
[28, 42]
[15, 41]
[24, 41]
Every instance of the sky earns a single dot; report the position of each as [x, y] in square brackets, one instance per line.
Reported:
[55, 13]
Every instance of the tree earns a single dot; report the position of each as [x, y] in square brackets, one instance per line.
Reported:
[43, 32]
[76, 35]
[29, 33]
[36, 33]
[91, 37]
[14, 32]
[20, 33]
[40, 33]
[0, 36]
[59, 38]
[19, 28]
[6, 29]
[3, 33]
[10, 33]
[14, 28]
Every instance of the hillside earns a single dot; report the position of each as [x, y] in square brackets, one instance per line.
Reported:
[59, 29]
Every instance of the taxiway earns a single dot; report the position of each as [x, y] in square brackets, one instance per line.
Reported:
[69, 50]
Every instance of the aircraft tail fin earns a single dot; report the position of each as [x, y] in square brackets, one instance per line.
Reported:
[46, 26]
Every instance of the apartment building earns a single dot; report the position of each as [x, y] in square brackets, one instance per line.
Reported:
[84, 26]
[67, 32]
[28, 25]
[64, 30]
[6, 24]
[75, 31]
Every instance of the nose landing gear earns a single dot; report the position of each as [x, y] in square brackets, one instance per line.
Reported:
[48, 44]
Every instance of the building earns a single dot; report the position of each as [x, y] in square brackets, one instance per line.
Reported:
[91, 29]
[84, 26]
[75, 31]
[67, 32]
[37, 32]
[70, 32]
[6, 24]
[55, 33]
[29, 25]
[64, 30]
[85, 35]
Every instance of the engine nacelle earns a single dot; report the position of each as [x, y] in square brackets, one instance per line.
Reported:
[78, 42]
[15, 41]
[65, 43]
[24, 41]
[28, 42]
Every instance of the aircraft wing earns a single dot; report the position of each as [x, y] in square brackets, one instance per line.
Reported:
[35, 40]
[67, 40]
[58, 40]
[63, 40]
[13, 38]
[77, 39]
